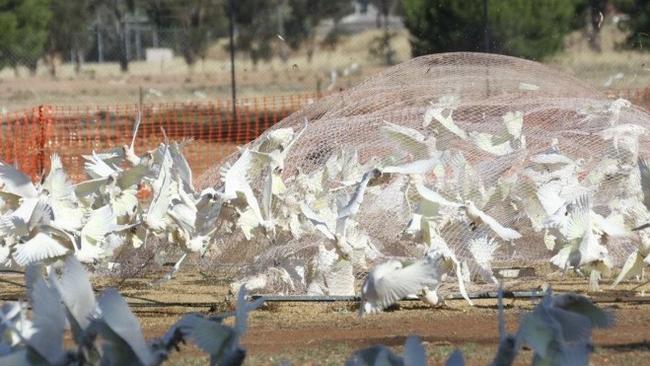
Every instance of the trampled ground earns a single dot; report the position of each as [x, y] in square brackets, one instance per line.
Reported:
[327, 333]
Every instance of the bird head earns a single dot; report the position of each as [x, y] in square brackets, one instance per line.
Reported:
[147, 157]
[112, 178]
[144, 191]
[466, 205]
[375, 176]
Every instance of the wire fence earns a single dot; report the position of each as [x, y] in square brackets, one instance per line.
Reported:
[100, 44]
[28, 138]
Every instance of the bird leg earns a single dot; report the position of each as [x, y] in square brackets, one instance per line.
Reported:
[594, 277]
[406, 198]
[641, 285]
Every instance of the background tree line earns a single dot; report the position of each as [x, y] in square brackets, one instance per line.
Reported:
[34, 30]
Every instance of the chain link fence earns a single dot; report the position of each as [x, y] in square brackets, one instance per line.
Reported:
[168, 65]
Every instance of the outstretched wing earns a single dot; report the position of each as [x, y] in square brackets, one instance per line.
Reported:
[39, 248]
[407, 139]
[482, 250]
[13, 182]
[436, 112]
[405, 281]
[645, 181]
[514, 122]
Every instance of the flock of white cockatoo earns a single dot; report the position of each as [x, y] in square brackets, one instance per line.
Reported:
[573, 215]
[578, 217]
[50, 220]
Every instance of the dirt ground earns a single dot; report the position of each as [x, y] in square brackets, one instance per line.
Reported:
[327, 333]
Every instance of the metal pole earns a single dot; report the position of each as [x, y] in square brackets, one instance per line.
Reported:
[100, 46]
[354, 298]
[486, 33]
[138, 42]
[486, 44]
[231, 11]
[127, 30]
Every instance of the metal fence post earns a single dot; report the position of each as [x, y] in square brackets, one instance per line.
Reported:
[43, 120]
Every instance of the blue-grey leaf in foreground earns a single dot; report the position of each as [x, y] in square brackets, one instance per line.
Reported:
[220, 341]
[456, 359]
[559, 329]
[124, 343]
[508, 343]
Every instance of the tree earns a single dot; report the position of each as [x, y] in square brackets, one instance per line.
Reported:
[23, 25]
[381, 46]
[257, 23]
[199, 22]
[638, 24]
[530, 29]
[300, 26]
[114, 16]
[69, 36]
[589, 16]
[8, 36]
[597, 11]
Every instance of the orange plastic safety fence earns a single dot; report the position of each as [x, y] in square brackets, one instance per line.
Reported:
[27, 139]
[640, 97]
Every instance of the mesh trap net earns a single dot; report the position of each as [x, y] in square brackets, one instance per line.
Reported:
[504, 161]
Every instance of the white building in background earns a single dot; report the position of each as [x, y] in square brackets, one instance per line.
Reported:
[365, 17]
[159, 55]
